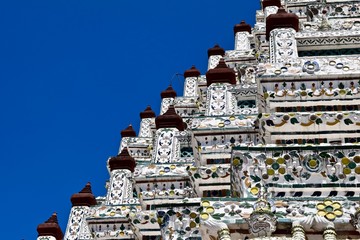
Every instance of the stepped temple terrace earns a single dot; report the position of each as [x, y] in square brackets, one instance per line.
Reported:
[263, 145]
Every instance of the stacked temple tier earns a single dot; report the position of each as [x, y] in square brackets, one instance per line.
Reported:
[265, 145]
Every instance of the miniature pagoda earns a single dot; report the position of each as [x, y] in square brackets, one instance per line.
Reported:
[265, 145]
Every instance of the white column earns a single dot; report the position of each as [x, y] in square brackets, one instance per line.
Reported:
[298, 232]
[329, 232]
[218, 100]
[191, 87]
[77, 227]
[242, 41]
[165, 103]
[270, 10]
[224, 234]
[120, 189]
[213, 61]
[123, 143]
[283, 46]
[165, 145]
[145, 127]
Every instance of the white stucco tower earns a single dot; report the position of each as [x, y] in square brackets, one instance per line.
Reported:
[264, 145]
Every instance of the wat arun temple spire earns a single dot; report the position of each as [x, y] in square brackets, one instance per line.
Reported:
[263, 145]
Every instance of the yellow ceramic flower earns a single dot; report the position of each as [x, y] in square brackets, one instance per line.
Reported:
[329, 209]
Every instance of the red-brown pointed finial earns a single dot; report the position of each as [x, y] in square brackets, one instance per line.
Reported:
[50, 228]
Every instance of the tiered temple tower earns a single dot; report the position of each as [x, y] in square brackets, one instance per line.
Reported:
[264, 145]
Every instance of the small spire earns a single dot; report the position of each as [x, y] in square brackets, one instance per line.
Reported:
[268, 3]
[128, 132]
[216, 50]
[84, 198]
[87, 188]
[281, 19]
[122, 161]
[192, 72]
[221, 74]
[170, 119]
[242, 27]
[171, 111]
[52, 219]
[221, 64]
[168, 93]
[147, 113]
[281, 10]
[50, 228]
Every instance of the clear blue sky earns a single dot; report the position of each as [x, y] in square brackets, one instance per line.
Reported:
[73, 73]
